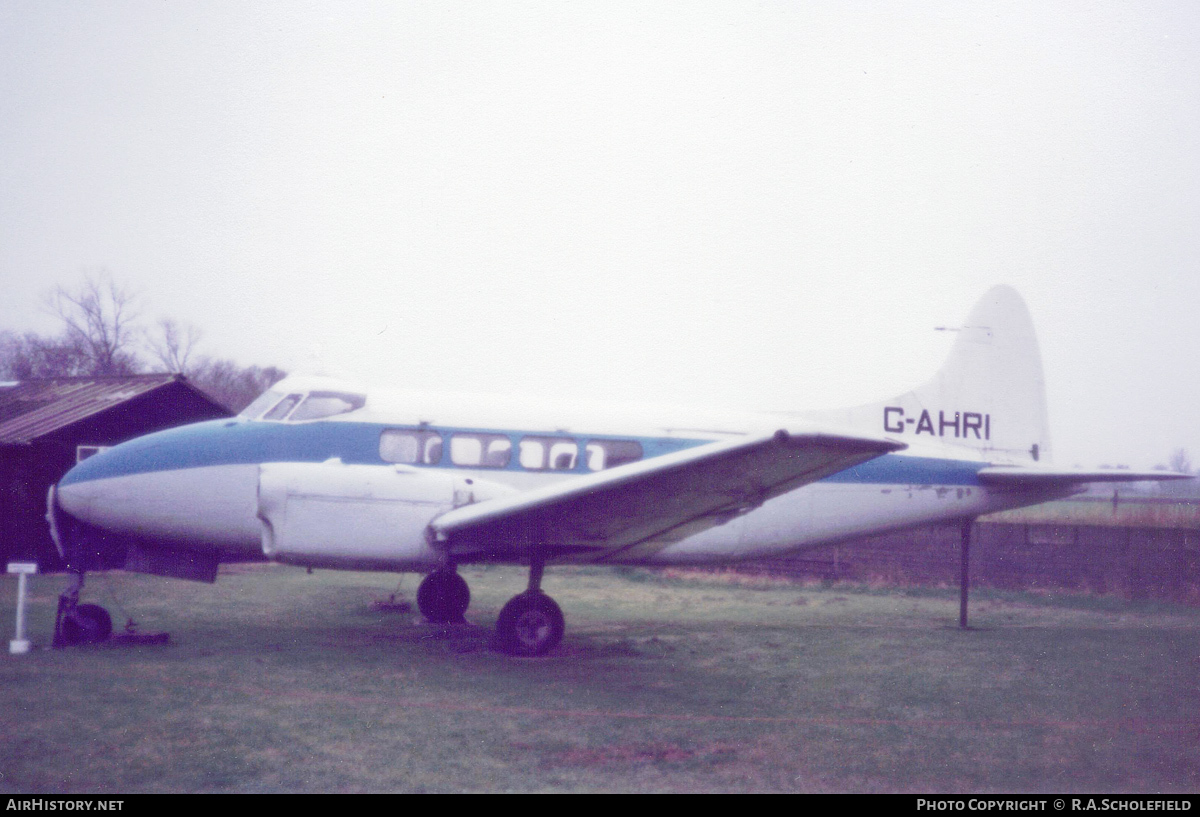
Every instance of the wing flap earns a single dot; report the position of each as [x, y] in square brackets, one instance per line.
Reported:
[644, 506]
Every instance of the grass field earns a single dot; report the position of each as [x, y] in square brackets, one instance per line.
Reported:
[276, 680]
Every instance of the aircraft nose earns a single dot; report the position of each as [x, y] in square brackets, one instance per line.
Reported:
[161, 451]
[99, 482]
[192, 485]
[115, 488]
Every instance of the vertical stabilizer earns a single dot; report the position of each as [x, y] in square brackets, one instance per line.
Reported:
[989, 395]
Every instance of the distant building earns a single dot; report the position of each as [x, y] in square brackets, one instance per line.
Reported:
[46, 426]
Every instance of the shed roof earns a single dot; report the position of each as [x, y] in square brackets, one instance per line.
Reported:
[30, 409]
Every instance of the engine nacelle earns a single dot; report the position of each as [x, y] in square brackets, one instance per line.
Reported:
[358, 517]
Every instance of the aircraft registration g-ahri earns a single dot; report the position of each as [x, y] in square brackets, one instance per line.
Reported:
[321, 474]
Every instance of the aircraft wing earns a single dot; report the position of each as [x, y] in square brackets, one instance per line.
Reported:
[1002, 476]
[641, 507]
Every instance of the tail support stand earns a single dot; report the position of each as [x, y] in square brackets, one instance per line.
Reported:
[964, 579]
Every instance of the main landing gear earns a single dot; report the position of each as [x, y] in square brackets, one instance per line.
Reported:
[529, 624]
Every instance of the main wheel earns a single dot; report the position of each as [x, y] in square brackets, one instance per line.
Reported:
[87, 624]
[443, 597]
[530, 624]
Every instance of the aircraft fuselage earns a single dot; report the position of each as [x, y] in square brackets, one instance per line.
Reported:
[199, 486]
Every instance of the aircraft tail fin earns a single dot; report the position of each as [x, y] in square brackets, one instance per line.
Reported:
[989, 395]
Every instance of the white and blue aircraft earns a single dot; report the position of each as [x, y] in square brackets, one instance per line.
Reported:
[322, 474]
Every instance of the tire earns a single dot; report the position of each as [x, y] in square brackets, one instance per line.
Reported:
[87, 624]
[530, 624]
[443, 597]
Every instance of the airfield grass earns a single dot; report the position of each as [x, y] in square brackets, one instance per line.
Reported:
[279, 681]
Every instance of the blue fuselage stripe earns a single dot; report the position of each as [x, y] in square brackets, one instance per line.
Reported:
[895, 469]
[240, 442]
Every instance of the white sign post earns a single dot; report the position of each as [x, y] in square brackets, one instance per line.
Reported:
[20, 644]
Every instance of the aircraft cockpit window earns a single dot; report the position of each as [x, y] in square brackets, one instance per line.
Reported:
[285, 405]
[410, 446]
[602, 454]
[485, 450]
[321, 404]
[263, 402]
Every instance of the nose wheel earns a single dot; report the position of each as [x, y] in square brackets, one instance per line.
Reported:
[78, 623]
[87, 624]
[443, 596]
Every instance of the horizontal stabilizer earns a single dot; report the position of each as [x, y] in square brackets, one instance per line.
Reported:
[1014, 476]
[649, 504]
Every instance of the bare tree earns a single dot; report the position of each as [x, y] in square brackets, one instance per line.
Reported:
[231, 385]
[100, 337]
[1180, 462]
[30, 355]
[100, 320]
[174, 346]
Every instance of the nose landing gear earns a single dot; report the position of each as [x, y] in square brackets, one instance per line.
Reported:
[88, 624]
[74, 623]
[443, 596]
[78, 623]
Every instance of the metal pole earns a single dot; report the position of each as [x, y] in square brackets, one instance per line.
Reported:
[964, 578]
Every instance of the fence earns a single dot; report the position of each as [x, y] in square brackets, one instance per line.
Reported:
[1145, 549]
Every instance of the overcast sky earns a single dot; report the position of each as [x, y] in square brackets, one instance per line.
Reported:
[765, 205]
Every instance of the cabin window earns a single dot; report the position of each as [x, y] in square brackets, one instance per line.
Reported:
[602, 454]
[481, 450]
[548, 453]
[410, 446]
[321, 404]
[285, 405]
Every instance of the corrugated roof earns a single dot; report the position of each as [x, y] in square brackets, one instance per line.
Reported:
[32, 408]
